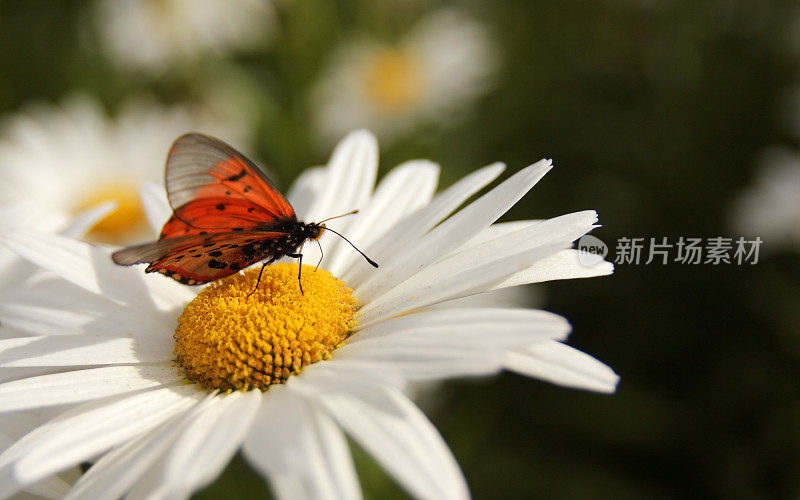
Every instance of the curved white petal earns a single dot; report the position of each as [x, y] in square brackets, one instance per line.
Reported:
[444, 343]
[156, 206]
[415, 225]
[83, 222]
[562, 365]
[350, 177]
[83, 385]
[84, 431]
[392, 429]
[453, 232]
[304, 190]
[124, 466]
[203, 449]
[76, 350]
[562, 265]
[405, 189]
[87, 266]
[300, 450]
[476, 268]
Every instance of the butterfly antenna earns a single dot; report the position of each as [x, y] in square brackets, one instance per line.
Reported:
[372, 262]
[321, 255]
[338, 216]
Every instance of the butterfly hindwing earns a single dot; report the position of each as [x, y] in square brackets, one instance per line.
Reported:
[210, 185]
[198, 259]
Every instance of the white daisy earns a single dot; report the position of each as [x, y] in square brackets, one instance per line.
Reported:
[65, 159]
[154, 35]
[428, 76]
[770, 208]
[342, 354]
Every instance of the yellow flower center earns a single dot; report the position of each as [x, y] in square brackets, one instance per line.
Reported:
[394, 80]
[127, 220]
[228, 340]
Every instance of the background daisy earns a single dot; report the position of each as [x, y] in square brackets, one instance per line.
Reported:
[155, 35]
[430, 75]
[70, 158]
[770, 208]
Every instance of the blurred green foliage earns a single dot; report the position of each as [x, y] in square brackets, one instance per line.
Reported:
[653, 112]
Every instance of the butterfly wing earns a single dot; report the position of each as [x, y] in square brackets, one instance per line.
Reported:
[211, 186]
[198, 259]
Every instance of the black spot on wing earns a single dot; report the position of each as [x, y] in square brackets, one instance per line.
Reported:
[238, 176]
[221, 206]
[235, 266]
[215, 264]
[215, 253]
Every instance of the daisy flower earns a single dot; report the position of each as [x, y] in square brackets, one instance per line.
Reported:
[432, 73]
[65, 159]
[158, 385]
[770, 208]
[154, 35]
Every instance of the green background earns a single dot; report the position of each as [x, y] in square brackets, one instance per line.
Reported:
[654, 113]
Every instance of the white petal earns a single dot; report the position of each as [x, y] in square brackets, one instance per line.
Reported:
[497, 230]
[404, 190]
[300, 450]
[304, 190]
[87, 430]
[156, 206]
[83, 222]
[562, 365]
[420, 222]
[478, 267]
[445, 343]
[87, 266]
[391, 428]
[83, 385]
[203, 449]
[127, 465]
[350, 176]
[51, 487]
[349, 181]
[559, 266]
[53, 306]
[76, 350]
[453, 232]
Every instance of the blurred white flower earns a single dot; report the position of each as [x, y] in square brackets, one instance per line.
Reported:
[154, 35]
[430, 75]
[69, 158]
[331, 361]
[770, 208]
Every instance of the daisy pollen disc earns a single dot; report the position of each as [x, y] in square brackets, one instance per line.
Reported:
[128, 214]
[228, 341]
[394, 80]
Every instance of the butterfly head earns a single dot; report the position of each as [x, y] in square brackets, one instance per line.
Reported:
[314, 230]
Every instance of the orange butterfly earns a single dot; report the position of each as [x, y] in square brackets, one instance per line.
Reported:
[227, 215]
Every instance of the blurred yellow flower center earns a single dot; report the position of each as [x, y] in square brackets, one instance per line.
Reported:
[126, 220]
[227, 340]
[394, 80]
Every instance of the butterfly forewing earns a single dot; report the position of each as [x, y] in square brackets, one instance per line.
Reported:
[204, 176]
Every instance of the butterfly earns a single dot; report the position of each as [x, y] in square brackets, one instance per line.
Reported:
[226, 216]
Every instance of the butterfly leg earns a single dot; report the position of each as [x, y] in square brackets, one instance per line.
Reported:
[299, 258]
[265, 264]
